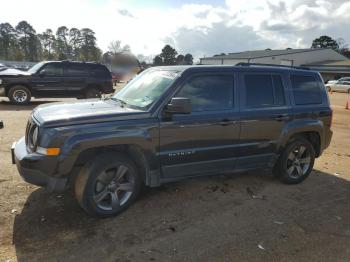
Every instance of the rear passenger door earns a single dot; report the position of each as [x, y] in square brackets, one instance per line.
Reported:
[265, 110]
[75, 76]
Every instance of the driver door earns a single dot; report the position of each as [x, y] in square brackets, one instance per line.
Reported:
[48, 81]
[206, 140]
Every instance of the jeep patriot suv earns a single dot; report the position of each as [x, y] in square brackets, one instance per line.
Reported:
[171, 123]
[56, 79]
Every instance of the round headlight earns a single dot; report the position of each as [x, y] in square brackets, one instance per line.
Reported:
[35, 136]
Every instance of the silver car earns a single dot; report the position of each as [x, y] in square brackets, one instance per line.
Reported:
[341, 85]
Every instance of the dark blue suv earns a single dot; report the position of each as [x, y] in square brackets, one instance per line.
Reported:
[171, 123]
[56, 79]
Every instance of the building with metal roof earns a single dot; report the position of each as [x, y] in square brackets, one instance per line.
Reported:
[327, 61]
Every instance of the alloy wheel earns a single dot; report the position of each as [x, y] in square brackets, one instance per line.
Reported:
[298, 161]
[113, 188]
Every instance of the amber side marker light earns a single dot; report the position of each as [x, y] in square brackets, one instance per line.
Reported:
[52, 151]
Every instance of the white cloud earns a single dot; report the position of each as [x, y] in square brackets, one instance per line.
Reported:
[195, 28]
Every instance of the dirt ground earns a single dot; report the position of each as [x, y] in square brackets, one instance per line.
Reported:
[208, 219]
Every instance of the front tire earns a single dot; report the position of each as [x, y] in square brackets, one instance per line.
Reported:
[19, 95]
[296, 161]
[107, 185]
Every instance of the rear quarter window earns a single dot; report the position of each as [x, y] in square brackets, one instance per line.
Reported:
[76, 70]
[100, 71]
[306, 90]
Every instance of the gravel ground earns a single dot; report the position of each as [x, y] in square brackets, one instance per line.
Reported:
[207, 219]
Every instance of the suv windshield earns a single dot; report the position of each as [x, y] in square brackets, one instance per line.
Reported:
[146, 88]
[35, 67]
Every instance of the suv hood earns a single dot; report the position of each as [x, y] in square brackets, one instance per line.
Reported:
[88, 111]
[13, 72]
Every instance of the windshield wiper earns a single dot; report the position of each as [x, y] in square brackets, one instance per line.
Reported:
[122, 102]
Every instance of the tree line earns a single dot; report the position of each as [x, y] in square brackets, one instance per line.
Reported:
[338, 45]
[23, 43]
[169, 56]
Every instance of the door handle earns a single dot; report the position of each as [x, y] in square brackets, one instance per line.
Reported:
[282, 117]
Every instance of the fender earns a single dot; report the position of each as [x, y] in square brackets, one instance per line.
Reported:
[143, 135]
[8, 85]
[300, 126]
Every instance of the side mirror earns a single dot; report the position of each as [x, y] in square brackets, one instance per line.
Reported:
[179, 105]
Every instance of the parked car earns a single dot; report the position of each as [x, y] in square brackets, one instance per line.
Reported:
[56, 79]
[171, 123]
[341, 85]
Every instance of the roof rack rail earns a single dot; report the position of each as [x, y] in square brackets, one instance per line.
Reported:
[272, 65]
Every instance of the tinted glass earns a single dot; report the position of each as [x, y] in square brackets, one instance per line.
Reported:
[264, 90]
[306, 90]
[53, 70]
[100, 71]
[278, 90]
[76, 70]
[208, 93]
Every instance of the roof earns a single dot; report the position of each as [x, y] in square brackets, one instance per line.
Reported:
[253, 67]
[263, 53]
[332, 63]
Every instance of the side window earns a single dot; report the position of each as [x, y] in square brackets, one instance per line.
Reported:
[209, 93]
[278, 90]
[306, 90]
[53, 70]
[76, 70]
[264, 90]
[99, 71]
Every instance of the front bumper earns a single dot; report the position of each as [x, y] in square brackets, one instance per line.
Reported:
[34, 168]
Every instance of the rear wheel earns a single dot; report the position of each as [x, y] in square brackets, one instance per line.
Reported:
[107, 185]
[92, 92]
[19, 94]
[296, 161]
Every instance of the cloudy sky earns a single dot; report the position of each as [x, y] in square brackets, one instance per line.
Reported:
[202, 28]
